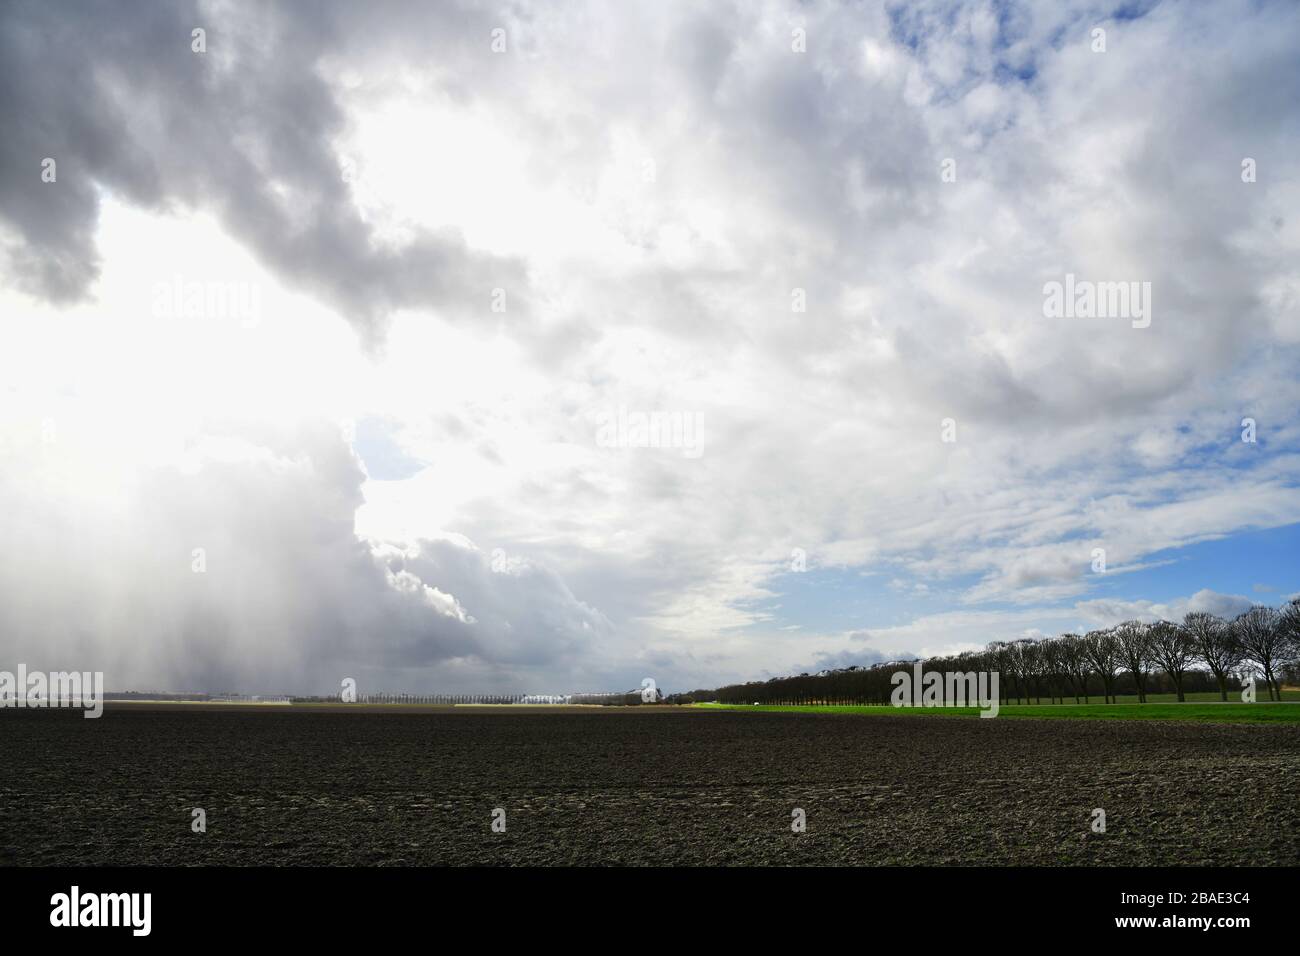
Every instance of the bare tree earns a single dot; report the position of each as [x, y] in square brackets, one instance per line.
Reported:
[1215, 644]
[1074, 657]
[1103, 654]
[1172, 649]
[1035, 662]
[1000, 657]
[1054, 666]
[1032, 665]
[1019, 659]
[1263, 639]
[1291, 635]
[1135, 651]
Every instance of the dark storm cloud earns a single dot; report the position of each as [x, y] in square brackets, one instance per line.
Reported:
[115, 95]
[244, 572]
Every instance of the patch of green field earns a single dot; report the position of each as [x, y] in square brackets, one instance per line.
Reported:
[1199, 697]
[1215, 712]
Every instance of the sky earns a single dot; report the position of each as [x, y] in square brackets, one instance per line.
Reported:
[544, 348]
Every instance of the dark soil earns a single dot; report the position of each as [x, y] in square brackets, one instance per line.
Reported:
[636, 786]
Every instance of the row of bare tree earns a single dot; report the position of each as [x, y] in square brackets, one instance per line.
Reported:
[631, 698]
[1201, 650]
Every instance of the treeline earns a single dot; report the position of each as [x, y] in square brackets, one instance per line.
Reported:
[1203, 652]
[626, 699]
[631, 698]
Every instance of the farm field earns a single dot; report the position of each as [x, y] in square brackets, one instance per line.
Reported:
[680, 786]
